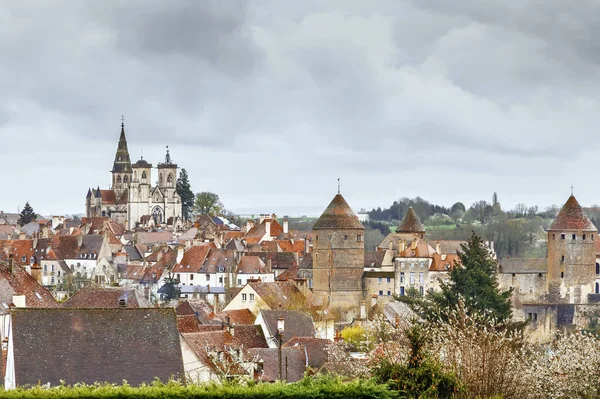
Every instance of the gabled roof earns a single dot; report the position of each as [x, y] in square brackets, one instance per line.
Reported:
[251, 265]
[572, 217]
[281, 295]
[96, 345]
[297, 323]
[410, 223]
[307, 261]
[294, 357]
[279, 260]
[374, 258]
[316, 349]
[19, 282]
[338, 215]
[192, 260]
[107, 298]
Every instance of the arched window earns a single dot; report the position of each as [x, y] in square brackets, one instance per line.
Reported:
[160, 180]
[597, 288]
[597, 268]
[574, 236]
[118, 179]
[103, 213]
[143, 175]
[126, 179]
[170, 180]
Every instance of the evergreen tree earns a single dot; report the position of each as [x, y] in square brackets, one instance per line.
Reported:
[185, 192]
[170, 289]
[473, 282]
[27, 215]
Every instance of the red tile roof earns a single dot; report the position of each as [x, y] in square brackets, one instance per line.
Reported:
[108, 196]
[107, 298]
[238, 316]
[572, 217]
[19, 282]
[410, 223]
[338, 215]
[251, 264]
[192, 260]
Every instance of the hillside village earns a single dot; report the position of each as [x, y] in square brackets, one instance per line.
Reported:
[205, 298]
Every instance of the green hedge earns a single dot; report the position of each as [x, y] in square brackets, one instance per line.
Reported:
[307, 388]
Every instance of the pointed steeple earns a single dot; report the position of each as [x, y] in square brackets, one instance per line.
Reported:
[572, 217]
[338, 215]
[410, 223]
[89, 193]
[122, 162]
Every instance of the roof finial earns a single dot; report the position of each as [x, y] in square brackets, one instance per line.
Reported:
[571, 189]
[338, 185]
[142, 153]
[168, 157]
[122, 121]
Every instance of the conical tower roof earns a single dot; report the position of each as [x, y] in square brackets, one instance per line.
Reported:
[338, 215]
[572, 217]
[122, 161]
[410, 223]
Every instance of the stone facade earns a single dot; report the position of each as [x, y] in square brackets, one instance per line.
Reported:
[338, 260]
[133, 200]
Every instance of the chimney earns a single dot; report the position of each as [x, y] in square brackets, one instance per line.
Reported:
[179, 253]
[401, 245]
[36, 273]
[49, 247]
[305, 245]
[79, 241]
[438, 248]
[373, 300]
[35, 240]
[22, 235]
[285, 225]
[391, 245]
[397, 321]
[268, 227]
[19, 301]
[268, 264]
[413, 244]
[45, 232]
[159, 255]
[363, 310]
[11, 264]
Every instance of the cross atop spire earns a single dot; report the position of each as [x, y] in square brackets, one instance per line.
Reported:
[571, 189]
[338, 185]
[122, 121]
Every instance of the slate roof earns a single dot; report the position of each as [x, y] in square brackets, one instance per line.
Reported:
[316, 349]
[374, 258]
[410, 223]
[523, 265]
[297, 323]
[133, 253]
[338, 215]
[307, 261]
[250, 336]
[572, 217]
[294, 357]
[202, 309]
[107, 298]
[140, 346]
[279, 260]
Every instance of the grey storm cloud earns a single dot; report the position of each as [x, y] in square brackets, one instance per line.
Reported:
[446, 100]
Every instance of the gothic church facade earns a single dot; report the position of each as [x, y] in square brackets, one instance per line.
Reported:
[132, 199]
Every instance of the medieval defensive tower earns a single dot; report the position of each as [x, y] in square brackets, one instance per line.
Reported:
[338, 260]
[571, 255]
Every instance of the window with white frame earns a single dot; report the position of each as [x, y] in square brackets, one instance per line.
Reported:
[412, 278]
[244, 297]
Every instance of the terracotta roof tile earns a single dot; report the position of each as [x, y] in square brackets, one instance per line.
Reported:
[107, 298]
[187, 323]
[572, 217]
[238, 316]
[410, 223]
[281, 295]
[192, 260]
[338, 215]
[250, 264]
[19, 282]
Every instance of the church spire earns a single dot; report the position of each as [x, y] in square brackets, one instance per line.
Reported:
[122, 162]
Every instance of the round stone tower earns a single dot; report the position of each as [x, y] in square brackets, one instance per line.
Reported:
[571, 255]
[411, 226]
[338, 260]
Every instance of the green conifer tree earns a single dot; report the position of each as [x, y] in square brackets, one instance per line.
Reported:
[27, 215]
[185, 192]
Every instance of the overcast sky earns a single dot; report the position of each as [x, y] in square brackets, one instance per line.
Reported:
[267, 103]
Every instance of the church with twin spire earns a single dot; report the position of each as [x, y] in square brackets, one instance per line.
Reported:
[133, 200]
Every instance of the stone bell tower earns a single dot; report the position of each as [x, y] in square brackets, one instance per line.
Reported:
[121, 171]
